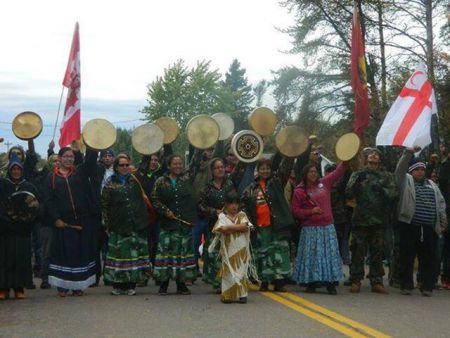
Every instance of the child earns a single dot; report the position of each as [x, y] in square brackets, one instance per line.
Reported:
[233, 230]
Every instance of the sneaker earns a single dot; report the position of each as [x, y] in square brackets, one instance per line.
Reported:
[131, 292]
[182, 289]
[264, 287]
[406, 292]
[163, 288]
[116, 292]
[356, 287]
[45, 285]
[379, 288]
[331, 289]
[243, 300]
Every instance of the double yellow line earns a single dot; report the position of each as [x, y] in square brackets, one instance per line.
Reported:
[332, 319]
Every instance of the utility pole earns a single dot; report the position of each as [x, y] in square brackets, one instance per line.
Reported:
[8, 144]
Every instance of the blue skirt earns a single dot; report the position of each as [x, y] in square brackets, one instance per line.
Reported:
[318, 258]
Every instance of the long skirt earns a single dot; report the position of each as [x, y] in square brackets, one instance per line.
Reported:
[127, 260]
[236, 260]
[175, 256]
[211, 263]
[73, 258]
[272, 255]
[15, 261]
[318, 258]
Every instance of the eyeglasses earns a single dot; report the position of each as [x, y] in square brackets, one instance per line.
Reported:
[124, 165]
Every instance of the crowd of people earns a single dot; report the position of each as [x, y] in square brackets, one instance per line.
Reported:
[272, 222]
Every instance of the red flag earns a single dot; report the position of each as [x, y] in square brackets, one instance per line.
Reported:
[359, 77]
[70, 128]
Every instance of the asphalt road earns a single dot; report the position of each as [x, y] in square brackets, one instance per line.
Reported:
[295, 314]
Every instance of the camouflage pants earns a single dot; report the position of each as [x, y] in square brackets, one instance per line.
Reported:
[211, 263]
[272, 255]
[364, 240]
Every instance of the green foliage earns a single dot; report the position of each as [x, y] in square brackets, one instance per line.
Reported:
[123, 145]
[241, 91]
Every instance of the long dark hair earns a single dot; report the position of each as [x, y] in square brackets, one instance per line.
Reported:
[305, 171]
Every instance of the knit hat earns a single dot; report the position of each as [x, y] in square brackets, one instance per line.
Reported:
[416, 163]
[103, 153]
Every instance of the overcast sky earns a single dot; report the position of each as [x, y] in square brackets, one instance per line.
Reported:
[124, 46]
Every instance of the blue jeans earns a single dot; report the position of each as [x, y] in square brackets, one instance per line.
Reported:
[201, 226]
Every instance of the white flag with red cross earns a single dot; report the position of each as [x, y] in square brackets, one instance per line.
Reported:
[408, 122]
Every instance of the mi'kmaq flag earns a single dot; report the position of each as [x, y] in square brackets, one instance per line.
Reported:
[70, 127]
[408, 122]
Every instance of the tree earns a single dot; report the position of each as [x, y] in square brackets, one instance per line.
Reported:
[241, 92]
[182, 93]
[259, 91]
[124, 145]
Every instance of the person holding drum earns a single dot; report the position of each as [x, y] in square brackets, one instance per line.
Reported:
[70, 206]
[16, 220]
[264, 203]
[211, 203]
[172, 199]
[126, 219]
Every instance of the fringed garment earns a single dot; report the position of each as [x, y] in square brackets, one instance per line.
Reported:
[236, 257]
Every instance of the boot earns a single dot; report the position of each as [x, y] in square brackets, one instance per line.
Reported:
[279, 286]
[379, 288]
[264, 287]
[163, 288]
[356, 287]
[182, 289]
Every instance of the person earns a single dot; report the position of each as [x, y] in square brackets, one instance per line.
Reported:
[125, 218]
[444, 185]
[264, 202]
[15, 233]
[172, 199]
[149, 170]
[105, 166]
[232, 229]
[374, 191]
[210, 205]
[318, 258]
[71, 207]
[422, 217]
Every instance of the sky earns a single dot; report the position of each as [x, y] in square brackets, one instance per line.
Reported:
[125, 45]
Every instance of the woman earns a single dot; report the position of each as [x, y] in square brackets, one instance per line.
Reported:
[173, 201]
[70, 206]
[211, 202]
[126, 219]
[15, 233]
[318, 259]
[266, 206]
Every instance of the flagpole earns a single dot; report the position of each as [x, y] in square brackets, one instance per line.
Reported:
[57, 115]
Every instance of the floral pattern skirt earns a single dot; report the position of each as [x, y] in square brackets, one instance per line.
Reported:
[318, 258]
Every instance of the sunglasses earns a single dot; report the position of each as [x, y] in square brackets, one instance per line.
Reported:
[124, 165]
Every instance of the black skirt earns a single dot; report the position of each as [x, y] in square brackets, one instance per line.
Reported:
[15, 261]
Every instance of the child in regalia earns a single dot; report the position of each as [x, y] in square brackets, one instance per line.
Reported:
[232, 229]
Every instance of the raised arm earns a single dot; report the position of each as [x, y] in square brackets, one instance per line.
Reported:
[335, 175]
[402, 168]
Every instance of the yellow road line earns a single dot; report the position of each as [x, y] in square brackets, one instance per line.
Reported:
[334, 320]
[334, 315]
[349, 332]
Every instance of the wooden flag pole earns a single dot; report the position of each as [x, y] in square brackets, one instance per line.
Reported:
[57, 115]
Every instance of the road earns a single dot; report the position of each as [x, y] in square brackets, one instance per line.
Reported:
[294, 314]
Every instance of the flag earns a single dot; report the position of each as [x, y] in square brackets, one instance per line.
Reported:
[408, 122]
[359, 77]
[70, 128]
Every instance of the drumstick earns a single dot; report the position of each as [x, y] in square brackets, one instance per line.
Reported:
[76, 227]
[183, 221]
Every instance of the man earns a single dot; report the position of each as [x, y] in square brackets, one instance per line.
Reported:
[422, 217]
[105, 168]
[374, 190]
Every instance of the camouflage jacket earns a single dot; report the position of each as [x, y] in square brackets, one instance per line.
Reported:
[375, 193]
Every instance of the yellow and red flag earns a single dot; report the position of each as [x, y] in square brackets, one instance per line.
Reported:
[359, 77]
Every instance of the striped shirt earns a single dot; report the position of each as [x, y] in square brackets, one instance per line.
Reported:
[425, 213]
